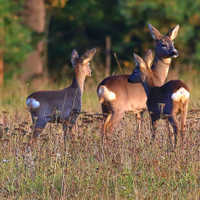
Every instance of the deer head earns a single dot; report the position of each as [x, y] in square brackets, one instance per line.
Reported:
[82, 65]
[142, 70]
[164, 43]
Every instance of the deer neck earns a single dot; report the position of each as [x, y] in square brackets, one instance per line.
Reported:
[148, 85]
[79, 79]
[160, 70]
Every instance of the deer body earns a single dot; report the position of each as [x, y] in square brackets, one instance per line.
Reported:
[64, 105]
[132, 97]
[63, 100]
[124, 91]
[166, 101]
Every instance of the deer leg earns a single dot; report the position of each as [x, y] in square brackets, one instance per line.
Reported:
[183, 119]
[105, 110]
[106, 116]
[139, 121]
[154, 125]
[105, 126]
[174, 124]
[111, 122]
[66, 125]
[39, 126]
[69, 124]
[72, 131]
[169, 132]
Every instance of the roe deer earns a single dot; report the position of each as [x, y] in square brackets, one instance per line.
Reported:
[172, 96]
[64, 105]
[117, 95]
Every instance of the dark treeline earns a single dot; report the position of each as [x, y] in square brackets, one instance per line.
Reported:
[82, 25]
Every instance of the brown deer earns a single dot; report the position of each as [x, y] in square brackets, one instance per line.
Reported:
[166, 101]
[63, 105]
[117, 95]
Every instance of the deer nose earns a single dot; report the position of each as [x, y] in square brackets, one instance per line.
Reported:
[174, 54]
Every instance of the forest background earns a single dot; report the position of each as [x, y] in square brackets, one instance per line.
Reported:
[38, 36]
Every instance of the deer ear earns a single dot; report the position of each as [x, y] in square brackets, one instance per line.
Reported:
[139, 61]
[173, 32]
[89, 55]
[74, 56]
[149, 57]
[156, 35]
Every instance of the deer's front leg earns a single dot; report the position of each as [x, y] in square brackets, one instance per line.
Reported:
[69, 124]
[153, 131]
[65, 125]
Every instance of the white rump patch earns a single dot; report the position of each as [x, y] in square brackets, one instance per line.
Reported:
[104, 93]
[32, 103]
[181, 94]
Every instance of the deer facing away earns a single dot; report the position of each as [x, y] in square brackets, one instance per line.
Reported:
[64, 105]
[118, 96]
[172, 96]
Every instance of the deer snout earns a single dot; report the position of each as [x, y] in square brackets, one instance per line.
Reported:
[90, 73]
[174, 53]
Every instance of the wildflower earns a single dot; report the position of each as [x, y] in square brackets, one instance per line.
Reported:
[162, 157]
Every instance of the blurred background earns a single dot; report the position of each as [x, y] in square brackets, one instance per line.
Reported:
[38, 36]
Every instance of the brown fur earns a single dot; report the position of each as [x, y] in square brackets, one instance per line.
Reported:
[62, 106]
[157, 96]
[132, 97]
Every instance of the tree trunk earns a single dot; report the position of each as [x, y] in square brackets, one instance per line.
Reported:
[34, 17]
[108, 45]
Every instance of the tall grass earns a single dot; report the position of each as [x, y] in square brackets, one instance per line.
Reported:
[84, 168]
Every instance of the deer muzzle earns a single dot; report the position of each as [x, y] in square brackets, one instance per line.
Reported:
[174, 54]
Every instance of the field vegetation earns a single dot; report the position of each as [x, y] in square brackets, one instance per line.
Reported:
[85, 168]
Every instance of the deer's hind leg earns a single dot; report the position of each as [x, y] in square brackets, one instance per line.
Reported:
[112, 121]
[39, 123]
[174, 123]
[183, 118]
[106, 110]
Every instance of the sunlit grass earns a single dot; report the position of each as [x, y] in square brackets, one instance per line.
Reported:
[128, 168]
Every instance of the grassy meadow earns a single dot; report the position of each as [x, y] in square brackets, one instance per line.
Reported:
[84, 168]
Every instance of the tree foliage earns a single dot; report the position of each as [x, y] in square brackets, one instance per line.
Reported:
[85, 24]
[17, 37]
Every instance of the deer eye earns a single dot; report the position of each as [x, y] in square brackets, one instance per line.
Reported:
[164, 45]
